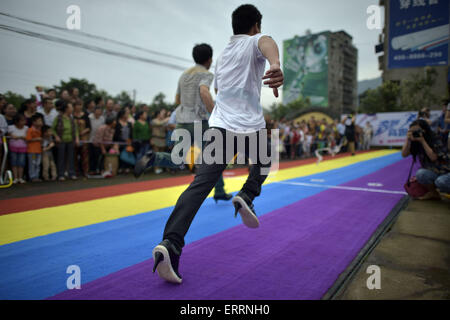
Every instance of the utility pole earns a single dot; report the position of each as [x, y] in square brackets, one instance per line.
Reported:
[134, 97]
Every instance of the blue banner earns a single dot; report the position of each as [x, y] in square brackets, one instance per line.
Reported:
[418, 33]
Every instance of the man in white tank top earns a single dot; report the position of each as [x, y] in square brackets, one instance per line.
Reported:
[237, 112]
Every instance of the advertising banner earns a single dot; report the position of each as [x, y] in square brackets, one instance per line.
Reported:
[418, 33]
[390, 128]
[305, 68]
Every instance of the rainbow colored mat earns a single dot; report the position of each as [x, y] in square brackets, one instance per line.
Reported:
[314, 220]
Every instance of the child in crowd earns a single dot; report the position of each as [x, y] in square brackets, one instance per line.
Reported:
[18, 147]
[34, 148]
[48, 161]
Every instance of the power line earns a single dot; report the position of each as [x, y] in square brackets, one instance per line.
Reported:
[89, 47]
[89, 35]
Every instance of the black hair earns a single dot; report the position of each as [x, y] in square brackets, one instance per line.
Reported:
[45, 128]
[244, 18]
[97, 100]
[202, 53]
[36, 116]
[51, 90]
[18, 117]
[45, 100]
[64, 106]
[97, 108]
[110, 120]
[427, 133]
[121, 113]
[139, 114]
[25, 104]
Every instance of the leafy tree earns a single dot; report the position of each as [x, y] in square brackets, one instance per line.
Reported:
[385, 98]
[14, 98]
[417, 92]
[87, 90]
[123, 98]
[159, 103]
[290, 110]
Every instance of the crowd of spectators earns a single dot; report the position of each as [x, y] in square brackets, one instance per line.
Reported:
[300, 139]
[59, 138]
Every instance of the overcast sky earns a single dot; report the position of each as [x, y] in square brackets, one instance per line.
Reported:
[169, 26]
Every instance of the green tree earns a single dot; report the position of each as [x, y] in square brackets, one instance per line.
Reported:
[385, 98]
[14, 98]
[159, 103]
[417, 92]
[87, 90]
[123, 98]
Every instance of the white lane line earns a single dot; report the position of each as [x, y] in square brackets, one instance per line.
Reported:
[304, 184]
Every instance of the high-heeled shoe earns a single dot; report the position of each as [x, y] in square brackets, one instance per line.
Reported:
[143, 164]
[244, 206]
[167, 257]
[225, 197]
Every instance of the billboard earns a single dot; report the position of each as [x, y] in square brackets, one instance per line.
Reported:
[418, 33]
[305, 68]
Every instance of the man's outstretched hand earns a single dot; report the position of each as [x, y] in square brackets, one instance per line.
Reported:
[275, 78]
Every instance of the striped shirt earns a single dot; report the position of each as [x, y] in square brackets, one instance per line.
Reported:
[191, 108]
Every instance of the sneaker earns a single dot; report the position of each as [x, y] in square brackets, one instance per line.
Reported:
[16, 181]
[61, 179]
[74, 178]
[244, 206]
[22, 181]
[167, 258]
[143, 164]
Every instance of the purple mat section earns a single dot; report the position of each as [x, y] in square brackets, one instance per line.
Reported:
[297, 253]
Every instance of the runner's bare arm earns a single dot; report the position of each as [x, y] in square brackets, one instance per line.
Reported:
[274, 75]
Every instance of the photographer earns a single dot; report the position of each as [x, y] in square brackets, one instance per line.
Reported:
[435, 165]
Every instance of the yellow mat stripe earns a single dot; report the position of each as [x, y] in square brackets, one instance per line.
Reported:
[34, 223]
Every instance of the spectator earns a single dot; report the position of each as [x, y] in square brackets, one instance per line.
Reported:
[66, 136]
[18, 147]
[443, 127]
[48, 111]
[65, 96]
[89, 106]
[34, 148]
[424, 114]
[51, 94]
[84, 128]
[48, 162]
[368, 134]
[28, 109]
[423, 143]
[123, 134]
[103, 142]
[141, 135]
[109, 109]
[158, 140]
[10, 112]
[3, 103]
[117, 107]
[74, 93]
[350, 133]
[99, 102]
[96, 120]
